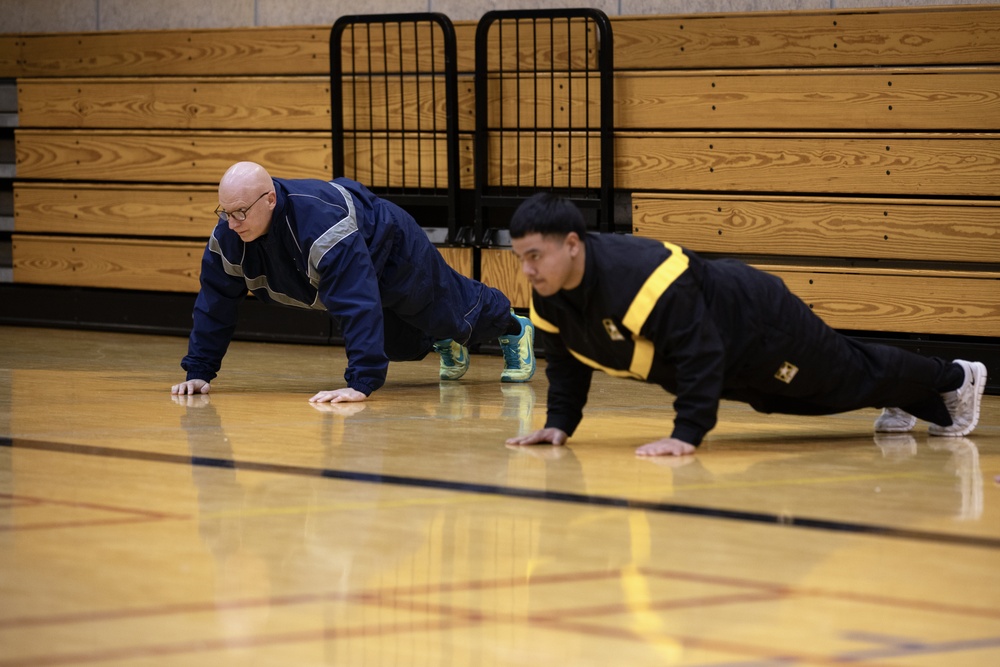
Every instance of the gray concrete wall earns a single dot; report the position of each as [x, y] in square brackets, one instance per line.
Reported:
[23, 16]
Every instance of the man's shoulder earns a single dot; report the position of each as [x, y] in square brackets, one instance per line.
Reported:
[629, 251]
[303, 190]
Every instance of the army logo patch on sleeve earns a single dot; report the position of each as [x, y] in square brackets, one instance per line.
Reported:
[613, 332]
[787, 372]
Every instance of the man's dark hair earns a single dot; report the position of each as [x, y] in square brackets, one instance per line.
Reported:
[545, 213]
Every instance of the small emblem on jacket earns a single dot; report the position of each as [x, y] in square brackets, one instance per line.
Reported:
[613, 332]
[787, 372]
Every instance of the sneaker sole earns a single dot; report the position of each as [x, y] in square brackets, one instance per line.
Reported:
[979, 380]
[900, 428]
[897, 429]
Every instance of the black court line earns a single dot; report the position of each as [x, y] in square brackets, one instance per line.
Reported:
[512, 491]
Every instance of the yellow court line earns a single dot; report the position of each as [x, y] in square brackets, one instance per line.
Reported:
[801, 481]
[341, 507]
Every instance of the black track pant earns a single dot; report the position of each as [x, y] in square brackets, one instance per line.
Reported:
[804, 367]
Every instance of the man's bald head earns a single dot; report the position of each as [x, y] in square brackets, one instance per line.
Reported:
[246, 189]
[244, 179]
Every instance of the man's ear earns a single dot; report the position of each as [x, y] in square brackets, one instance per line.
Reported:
[574, 242]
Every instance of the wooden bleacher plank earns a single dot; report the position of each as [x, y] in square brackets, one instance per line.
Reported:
[459, 259]
[545, 159]
[167, 157]
[259, 103]
[221, 52]
[147, 210]
[380, 104]
[939, 302]
[202, 157]
[896, 229]
[854, 37]
[927, 165]
[377, 48]
[407, 49]
[960, 35]
[501, 269]
[891, 99]
[405, 161]
[142, 264]
[543, 101]
[294, 50]
[868, 300]
[543, 45]
[10, 56]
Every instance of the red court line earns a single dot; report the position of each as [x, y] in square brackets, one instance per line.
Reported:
[666, 605]
[518, 582]
[484, 584]
[95, 506]
[766, 653]
[209, 645]
[167, 610]
[453, 611]
[307, 598]
[882, 600]
[135, 515]
[562, 620]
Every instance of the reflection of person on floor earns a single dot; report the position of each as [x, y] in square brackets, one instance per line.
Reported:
[706, 330]
[241, 569]
[334, 246]
[273, 534]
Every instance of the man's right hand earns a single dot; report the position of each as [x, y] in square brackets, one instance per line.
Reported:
[543, 436]
[191, 387]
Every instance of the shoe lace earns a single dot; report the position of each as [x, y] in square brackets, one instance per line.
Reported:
[447, 353]
[511, 354]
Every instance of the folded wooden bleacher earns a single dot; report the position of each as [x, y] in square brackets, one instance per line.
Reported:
[855, 153]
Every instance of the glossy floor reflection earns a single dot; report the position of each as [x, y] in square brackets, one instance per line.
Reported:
[249, 527]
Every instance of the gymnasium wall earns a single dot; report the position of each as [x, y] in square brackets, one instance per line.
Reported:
[23, 16]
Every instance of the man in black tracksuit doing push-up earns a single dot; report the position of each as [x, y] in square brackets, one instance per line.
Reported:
[706, 330]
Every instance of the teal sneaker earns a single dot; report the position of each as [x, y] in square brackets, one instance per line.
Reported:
[518, 353]
[454, 359]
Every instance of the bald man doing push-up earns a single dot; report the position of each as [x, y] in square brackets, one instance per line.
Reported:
[334, 246]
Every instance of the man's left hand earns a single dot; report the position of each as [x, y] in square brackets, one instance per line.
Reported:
[666, 447]
[345, 395]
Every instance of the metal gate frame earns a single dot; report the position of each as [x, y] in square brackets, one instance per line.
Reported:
[437, 196]
[600, 196]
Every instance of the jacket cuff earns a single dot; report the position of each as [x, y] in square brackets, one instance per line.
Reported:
[688, 433]
[564, 423]
[365, 389]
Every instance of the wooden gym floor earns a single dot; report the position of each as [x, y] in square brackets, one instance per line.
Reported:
[249, 527]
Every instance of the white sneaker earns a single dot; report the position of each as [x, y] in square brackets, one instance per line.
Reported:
[454, 359]
[963, 403]
[894, 420]
[518, 353]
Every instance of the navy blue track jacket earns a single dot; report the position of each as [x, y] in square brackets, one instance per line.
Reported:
[335, 246]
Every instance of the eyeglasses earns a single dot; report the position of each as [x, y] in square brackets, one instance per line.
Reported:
[239, 214]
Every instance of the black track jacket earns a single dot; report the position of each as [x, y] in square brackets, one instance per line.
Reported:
[654, 312]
